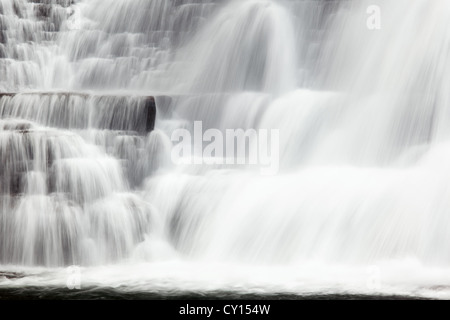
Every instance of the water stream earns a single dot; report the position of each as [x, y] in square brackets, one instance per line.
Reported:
[360, 202]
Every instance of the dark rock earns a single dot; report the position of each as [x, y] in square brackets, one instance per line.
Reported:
[135, 115]
[17, 185]
[43, 11]
[3, 37]
[6, 95]
[2, 51]
[11, 275]
[150, 107]
[17, 9]
[20, 127]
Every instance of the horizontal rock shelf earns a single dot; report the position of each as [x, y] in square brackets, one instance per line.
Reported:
[81, 111]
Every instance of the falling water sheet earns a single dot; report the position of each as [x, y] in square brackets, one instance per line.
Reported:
[93, 205]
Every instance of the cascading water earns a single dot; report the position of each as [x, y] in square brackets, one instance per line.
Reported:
[86, 176]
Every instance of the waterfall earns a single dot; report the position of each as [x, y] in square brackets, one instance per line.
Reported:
[92, 91]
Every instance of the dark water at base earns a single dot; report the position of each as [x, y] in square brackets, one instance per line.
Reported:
[34, 293]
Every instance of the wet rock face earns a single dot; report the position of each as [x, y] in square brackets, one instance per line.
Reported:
[43, 11]
[11, 275]
[150, 109]
[82, 111]
[53, 13]
[68, 155]
[129, 38]
[27, 31]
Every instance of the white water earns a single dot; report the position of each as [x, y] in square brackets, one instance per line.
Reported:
[364, 145]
